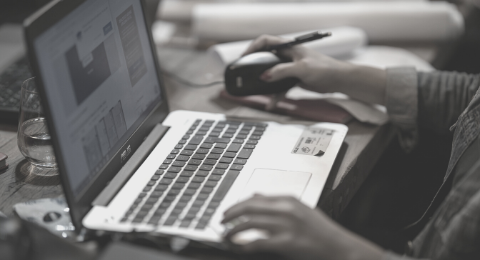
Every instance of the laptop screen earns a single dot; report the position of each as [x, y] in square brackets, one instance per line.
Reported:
[100, 81]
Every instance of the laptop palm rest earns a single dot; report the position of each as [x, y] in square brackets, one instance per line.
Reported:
[272, 182]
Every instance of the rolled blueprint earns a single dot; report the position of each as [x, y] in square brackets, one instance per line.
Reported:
[382, 21]
[344, 41]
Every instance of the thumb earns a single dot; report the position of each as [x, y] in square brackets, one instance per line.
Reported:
[280, 71]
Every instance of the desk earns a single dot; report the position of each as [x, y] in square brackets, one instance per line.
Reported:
[363, 145]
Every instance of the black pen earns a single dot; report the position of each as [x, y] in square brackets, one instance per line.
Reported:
[298, 40]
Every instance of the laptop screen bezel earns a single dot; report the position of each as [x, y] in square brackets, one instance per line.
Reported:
[34, 26]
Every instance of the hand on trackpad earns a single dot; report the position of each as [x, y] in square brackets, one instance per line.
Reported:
[272, 182]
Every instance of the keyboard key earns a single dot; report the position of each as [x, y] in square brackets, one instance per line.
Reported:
[238, 141]
[191, 147]
[183, 158]
[175, 151]
[240, 161]
[185, 137]
[198, 179]
[170, 198]
[151, 183]
[218, 172]
[191, 168]
[227, 182]
[221, 166]
[211, 184]
[196, 140]
[189, 192]
[186, 152]
[171, 156]
[178, 185]
[218, 151]
[163, 166]
[206, 167]
[229, 154]
[241, 136]
[245, 153]
[202, 174]
[155, 177]
[255, 137]
[214, 134]
[185, 198]
[166, 181]
[147, 188]
[178, 163]
[182, 141]
[203, 196]
[221, 146]
[183, 179]
[174, 169]
[226, 160]
[249, 146]
[186, 174]
[189, 132]
[159, 172]
[209, 212]
[194, 185]
[199, 156]
[213, 156]
[173, 192]
[170, 221]
[215, 178]
[234, 148]
[194, 162]
[210, 162]
[202, 151]
[230, 131]
[178, 146]
[161, 187]
[201, 133]
[227, 136]
[198, 203]
[206, 190]
[142, 195]
[236, 167]
[167, 161]
[206, 146]
[252, 142]
[185, 223]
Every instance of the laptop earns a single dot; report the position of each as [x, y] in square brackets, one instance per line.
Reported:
[129, 164]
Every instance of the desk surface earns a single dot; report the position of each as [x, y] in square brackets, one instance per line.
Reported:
[363, 144]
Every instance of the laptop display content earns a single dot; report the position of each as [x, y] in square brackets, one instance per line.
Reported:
[102, 82]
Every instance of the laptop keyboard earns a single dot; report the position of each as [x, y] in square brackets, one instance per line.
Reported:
[11, 80]
[197, 174]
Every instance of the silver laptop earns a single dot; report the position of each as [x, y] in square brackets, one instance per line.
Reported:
[125, 162]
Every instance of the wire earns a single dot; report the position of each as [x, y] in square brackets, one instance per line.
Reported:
[189, 83]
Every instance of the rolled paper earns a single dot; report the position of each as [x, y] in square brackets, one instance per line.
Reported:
[381, 21]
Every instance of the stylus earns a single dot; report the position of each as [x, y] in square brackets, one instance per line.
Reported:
[298, 40]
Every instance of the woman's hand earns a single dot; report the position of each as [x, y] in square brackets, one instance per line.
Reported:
[296, 231]
[321, 73]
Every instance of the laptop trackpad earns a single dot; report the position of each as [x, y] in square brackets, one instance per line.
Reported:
[271, 182]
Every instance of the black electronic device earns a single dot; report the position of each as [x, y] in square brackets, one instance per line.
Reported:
[242, 77]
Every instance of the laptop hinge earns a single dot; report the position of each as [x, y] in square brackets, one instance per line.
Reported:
[131, 166]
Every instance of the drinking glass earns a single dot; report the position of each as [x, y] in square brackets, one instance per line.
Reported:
[34, 140]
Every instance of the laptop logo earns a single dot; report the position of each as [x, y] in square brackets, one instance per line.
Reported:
[125, 153]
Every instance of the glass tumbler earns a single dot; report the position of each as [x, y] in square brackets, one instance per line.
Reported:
[33, 138]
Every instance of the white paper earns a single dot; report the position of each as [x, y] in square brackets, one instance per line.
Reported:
[382, 21]
[343, 42]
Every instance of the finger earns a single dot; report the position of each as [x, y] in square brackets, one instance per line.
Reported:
[262, 42]
[275, 244]
[263, 222]
[281, 71]
[257, 205]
